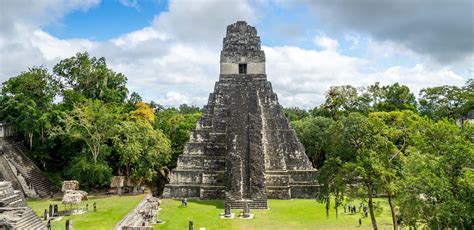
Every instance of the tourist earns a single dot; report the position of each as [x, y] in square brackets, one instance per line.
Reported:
[184, 202]
[95, 207]
[49, 225]
[344, 208]
[360, 222]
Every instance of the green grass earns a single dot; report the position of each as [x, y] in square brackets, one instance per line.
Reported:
[283, 214]
[110, 210]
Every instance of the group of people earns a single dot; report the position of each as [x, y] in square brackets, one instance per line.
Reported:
[352, 209]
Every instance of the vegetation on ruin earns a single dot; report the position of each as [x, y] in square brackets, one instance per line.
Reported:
[378, 143]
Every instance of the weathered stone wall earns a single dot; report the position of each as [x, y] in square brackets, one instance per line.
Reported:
[243, 148]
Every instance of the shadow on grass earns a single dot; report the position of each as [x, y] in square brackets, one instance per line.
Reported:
[219, 204]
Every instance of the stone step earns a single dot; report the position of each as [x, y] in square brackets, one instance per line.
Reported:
[7, 200]
[30, 221]
[28, 170]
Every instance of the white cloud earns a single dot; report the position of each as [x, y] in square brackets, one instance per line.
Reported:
[176, 59]
[326, 42]
[130, 3]
[301, 77]
[203, 21]
[130, 40]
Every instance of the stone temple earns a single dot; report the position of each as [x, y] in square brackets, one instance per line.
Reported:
[243, 148]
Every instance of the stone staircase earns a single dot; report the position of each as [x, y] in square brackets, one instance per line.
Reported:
[21, 218]
[31, 176]
[14, 214]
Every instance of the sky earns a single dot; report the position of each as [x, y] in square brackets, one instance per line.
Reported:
[169, 50]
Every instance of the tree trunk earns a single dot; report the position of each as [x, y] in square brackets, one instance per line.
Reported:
[30, 140]
[392, 209]
[371, 206]
[327, 207]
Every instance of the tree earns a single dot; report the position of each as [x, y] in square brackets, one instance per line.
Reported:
[143, 112]
[91, 123]
[26, 101]
[314, 134]
[438, 177]
[295, 113]
[353, 160]
[341, 99]
[142, 150]
[177, 127]
[394, 130]
[133, 100]
[92, 78]
[447, 101]
[397, 97]
[188, 109]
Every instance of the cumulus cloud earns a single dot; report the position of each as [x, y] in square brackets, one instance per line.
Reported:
[301, 77]
[203, 21]
[175, 59]
[326, 42]
[21, 37]
[441, 30]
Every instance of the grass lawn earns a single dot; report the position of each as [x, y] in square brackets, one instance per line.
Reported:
[110, 210]
[283, 214]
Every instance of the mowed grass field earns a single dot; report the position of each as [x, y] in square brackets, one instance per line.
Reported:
[110, 210]
[282, 215]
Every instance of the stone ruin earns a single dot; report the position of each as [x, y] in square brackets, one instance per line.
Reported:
[70, 185]
[243, 149]
[142, 217]
[20, 170]
[14, 214]
[124, 184]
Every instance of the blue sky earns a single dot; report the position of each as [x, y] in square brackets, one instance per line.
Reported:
[169, 50]
[107, 20]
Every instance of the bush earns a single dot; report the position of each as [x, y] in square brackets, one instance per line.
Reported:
[88, 174]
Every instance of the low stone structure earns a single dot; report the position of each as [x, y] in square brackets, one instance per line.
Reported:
[123, 184]
[243, 148]
[70, 185]
[14, 214]
[142, 217]
[116, 184]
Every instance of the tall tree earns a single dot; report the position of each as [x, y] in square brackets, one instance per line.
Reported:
[91, 77]
[142, 150]
[92, 123]
[438, 179]
[314, 134]
[295, 113]
[447, 101]
[26, 101]
[341, 100]
[354, 158]
[177, 127]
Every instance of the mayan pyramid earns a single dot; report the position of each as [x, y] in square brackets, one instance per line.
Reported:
[243, 148]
